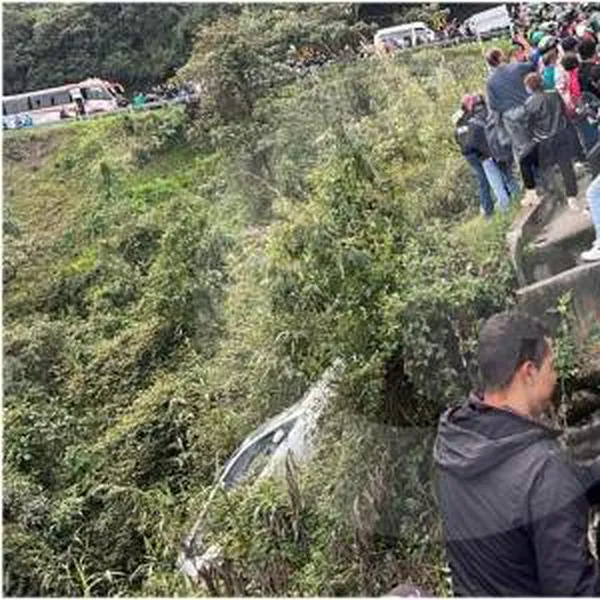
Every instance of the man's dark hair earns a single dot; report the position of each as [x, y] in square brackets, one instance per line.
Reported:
[534, 82]
[569, 44]
[587, 48]
[494, 57]
[570, 61]
[506, 341]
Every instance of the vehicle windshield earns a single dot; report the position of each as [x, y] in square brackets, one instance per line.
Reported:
[255, 458]
[97, 93]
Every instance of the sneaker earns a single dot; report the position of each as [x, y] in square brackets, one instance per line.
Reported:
[592, 254]
[572, 203]
[530, 198]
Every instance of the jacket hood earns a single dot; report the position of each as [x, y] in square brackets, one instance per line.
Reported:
[475, 437]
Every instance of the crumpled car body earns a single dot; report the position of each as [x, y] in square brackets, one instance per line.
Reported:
[262, 454]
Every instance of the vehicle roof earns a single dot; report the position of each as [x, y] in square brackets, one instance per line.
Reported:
[60, 88]
[401, 27]
[495, 12]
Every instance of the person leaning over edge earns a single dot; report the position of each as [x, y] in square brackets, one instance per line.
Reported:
[506, 96]
[514, 508]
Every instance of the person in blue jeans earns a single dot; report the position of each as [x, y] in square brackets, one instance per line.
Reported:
[593, 198]
[489, 174]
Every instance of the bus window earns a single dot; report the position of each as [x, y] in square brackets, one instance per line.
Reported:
[38, 103]
[84, 93]
[52, 100]
[4, 113]
[61, 98]
[29, 105]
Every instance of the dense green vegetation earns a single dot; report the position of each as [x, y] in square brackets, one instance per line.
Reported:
[139, 45]
[172, 279]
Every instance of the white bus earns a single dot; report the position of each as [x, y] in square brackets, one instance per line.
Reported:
[47, 106]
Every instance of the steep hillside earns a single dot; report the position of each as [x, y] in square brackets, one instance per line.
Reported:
[171, 281]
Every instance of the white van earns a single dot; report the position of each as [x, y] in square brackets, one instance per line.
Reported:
[493, 21]
[407, 35]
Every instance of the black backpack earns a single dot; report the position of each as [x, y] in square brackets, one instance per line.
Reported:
[462, 134]
[497, 138]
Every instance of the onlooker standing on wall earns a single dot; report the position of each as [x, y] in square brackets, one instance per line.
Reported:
[549, 128]
[593, 198]
[506, 95]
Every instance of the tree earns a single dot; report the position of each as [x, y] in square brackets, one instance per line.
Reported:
[136, 44]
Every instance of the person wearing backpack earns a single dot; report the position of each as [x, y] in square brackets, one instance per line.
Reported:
[470, 134]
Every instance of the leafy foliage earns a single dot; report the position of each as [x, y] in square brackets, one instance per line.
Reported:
[243, 56]
[136, 44]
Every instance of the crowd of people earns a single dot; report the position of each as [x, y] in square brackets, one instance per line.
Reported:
[166, 92]
[540, 110]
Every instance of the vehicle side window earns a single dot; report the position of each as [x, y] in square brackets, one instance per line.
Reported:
[4, 113]
[61, 98]
[29, 104]
[84, 93]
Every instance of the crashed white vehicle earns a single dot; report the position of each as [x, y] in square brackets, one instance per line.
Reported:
[291, 432]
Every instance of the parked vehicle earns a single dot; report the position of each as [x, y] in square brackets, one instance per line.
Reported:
[490, 23]
[45, 106]
[263, 454]
[407, 35]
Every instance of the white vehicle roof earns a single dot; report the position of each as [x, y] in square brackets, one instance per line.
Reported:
[401, 28]
[488, 19]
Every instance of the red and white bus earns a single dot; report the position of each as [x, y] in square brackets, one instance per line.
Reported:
[47, 106]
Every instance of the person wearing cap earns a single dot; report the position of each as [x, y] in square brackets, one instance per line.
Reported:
[534, 52]
[515, 506]
[551, 70]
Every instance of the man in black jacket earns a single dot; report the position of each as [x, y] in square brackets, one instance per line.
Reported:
[515, 509]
